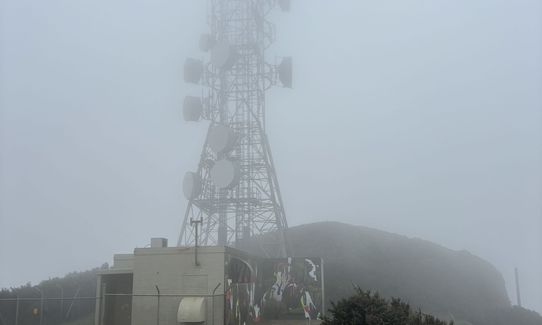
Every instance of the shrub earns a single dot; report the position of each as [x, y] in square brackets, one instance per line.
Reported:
[368, 308]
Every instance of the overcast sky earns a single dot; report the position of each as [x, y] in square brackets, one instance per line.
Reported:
[422, 118]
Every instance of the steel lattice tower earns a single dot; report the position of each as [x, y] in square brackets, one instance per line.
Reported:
[235, 192]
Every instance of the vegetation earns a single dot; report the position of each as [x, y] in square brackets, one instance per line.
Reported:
[78, 290]
[368, 308]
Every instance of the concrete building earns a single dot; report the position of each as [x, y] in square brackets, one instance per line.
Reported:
[214, 285]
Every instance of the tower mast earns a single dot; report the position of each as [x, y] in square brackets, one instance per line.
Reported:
[235, 188]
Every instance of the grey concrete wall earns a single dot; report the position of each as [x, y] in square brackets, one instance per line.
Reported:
[173, 270]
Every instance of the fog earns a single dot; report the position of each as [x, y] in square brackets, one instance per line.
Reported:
[422, 118]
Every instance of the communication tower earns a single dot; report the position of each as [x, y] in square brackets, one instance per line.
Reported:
[234, 191]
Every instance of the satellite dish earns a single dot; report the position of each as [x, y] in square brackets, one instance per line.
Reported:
[193, 70]
[223, 55]
[285, 72]
[226, 173]
[284, 5]
[191, 185]
[192, 108]
[191, 310]
[221, 138]
[206, 42]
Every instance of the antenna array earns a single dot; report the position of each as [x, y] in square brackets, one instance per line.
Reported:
[235, 189]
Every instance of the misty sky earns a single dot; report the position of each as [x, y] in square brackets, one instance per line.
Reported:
[422, 118]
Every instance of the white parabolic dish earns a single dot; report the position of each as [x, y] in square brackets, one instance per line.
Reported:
[206, 42]
[191, 310]
[223, 55]
[221, 138]
[192, 108]
[193, 70]
[191, 185]
[225, 173]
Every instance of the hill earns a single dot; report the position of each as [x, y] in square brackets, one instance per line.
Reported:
[446, 283]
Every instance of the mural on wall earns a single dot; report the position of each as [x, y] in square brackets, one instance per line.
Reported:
[240, 304]
[287, 288]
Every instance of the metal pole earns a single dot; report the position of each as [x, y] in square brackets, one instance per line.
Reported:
[158, 307]
[195, 224]
[17, 311]
[213, 302]
[518, 294]
[71, 304]
[61, 300]
[196, 247]
[41, 305]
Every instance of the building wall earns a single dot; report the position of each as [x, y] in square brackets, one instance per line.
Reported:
[174, 271]
[273, 289]
[250, 290]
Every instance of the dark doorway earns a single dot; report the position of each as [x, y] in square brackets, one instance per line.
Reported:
[117, 299]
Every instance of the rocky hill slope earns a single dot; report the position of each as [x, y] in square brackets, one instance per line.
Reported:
[449, 284]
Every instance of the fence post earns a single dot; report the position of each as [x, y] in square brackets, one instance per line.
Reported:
[41, 304]
[158, 307]
[17, 311]
[71, 304]
[61, 301]
[213, 303]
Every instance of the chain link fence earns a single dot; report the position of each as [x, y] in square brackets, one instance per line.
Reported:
[50, 311]
[114, 309]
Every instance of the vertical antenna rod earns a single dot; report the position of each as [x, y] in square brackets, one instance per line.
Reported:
[518, 294]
